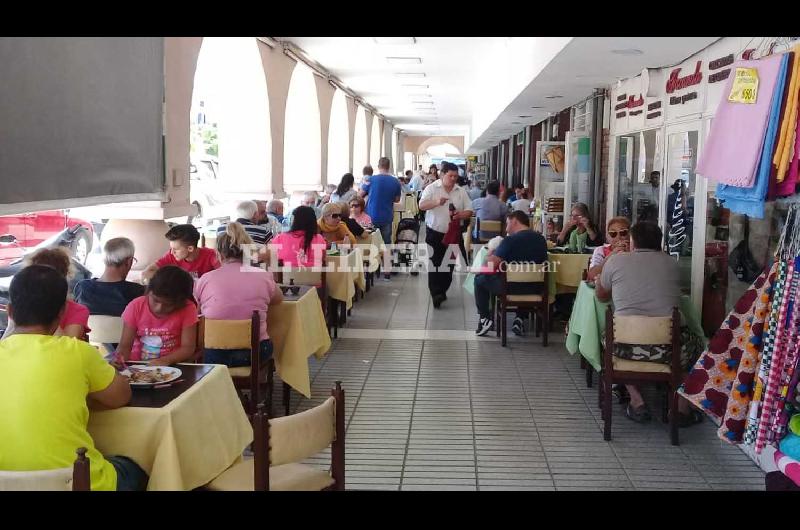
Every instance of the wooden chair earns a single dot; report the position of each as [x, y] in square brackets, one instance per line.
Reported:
[634, 329]
[240, 335]
[495, 228]
[75, 478]
[104, 329]
[281, 444]
[524, 272]
[305, 277]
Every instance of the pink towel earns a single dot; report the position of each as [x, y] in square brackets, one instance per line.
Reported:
[733, 147]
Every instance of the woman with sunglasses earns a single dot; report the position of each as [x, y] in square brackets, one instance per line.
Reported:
[357, 212]
[618, 241]
[579, 231]
[331, 226]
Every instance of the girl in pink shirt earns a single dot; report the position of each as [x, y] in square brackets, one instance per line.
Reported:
[161, 326]
[233, 292]
[302, 246]
[74, 322]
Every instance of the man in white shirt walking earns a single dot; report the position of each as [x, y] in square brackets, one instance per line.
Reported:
[435, 202]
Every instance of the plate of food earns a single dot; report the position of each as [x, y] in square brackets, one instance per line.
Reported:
[144, 376]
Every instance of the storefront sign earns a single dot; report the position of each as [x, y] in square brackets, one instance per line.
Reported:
[748, 54]
[745, 86]
[630, 103]
[635, 112]
[653, 115]
[719, 76]
[623, 105]
[621, 114]
[680, 100]
[622, 97]
[654, 106]
[678, 83]
[716, 64]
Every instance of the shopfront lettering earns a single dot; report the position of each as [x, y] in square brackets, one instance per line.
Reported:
[748, 54]
[621, 114]
[622, 97]
[680, 100]
[623, 105]
[635, 112]
[654, 106]
[719, 76]
[653, 115]
[678, 83]
[716, 64]
[633, 102]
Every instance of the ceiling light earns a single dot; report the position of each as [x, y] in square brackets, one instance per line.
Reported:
[628, 51]
[535, 107]
[417, 86]
[410, 75]
[524, 116]
[404, 60]
[553, 97]
[393, 41]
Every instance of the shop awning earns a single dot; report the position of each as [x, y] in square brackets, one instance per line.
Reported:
[81, 122]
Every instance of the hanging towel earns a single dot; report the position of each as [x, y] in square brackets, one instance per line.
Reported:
[788, 466]
[783, 152]
[732, 151]
[774, 184]
[789, 185]
[750, 200]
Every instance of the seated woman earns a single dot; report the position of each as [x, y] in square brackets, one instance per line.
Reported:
[352, 225]
[161, 326]
[618, 241]
[233, 292]
[579, 231]
[345, 191]
[301, 246]
[332, 228]
[357, 212]
[74, 322]
[646, 281]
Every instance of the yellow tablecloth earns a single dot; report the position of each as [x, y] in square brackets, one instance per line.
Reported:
[298, 331]
[185, 444]
[345, 272]
[371, 243]
[569, 268]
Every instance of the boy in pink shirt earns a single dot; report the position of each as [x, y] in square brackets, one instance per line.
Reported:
[161, 326]
[184, 253]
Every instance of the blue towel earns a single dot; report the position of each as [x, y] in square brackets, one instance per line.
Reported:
[790, 446]
[750, 201]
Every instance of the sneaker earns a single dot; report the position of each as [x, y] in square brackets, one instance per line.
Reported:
[518, 327]
[484, 326]
[640, 415]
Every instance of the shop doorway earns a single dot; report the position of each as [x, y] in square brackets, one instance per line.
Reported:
[638, 171]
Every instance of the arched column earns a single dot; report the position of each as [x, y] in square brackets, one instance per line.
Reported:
[325, 94]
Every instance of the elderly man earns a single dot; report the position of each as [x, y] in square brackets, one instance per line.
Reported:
[247, 216]
[275, 210]
[111, 293]
[521, 245]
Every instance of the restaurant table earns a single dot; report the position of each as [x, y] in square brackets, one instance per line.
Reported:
[298, 330]
[345, 273]
[365, 245]
[588, 320]
[553, 279]
[182, 436]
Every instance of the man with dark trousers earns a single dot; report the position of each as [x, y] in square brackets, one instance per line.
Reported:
[436, 201]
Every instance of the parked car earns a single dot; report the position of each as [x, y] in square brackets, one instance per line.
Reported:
[65, 238]
[21, 232]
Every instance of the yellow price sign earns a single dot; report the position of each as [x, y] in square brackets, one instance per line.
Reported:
[745, 86]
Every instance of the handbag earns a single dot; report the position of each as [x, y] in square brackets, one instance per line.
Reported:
[453, 233]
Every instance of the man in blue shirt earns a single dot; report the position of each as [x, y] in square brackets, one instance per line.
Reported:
[491, 208]
[522, 244]
[383, 190]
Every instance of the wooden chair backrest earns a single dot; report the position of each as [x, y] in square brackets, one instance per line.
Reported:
[75, 478]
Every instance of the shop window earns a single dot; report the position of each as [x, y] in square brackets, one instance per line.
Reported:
[639, 176]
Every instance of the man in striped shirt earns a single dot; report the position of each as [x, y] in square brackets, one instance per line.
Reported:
[246, 215]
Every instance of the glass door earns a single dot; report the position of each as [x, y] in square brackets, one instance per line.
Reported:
[682, 232]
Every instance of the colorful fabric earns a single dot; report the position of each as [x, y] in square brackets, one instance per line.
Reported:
[788, 466]
[732, 151]
[721, 382]
[749, 200]
[784, 151]
[766, 356]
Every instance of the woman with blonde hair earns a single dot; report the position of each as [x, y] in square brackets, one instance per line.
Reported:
[331, 226]
[233, 292]
[75, 319]
[617, 230]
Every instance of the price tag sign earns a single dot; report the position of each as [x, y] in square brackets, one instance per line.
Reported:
[745, 86]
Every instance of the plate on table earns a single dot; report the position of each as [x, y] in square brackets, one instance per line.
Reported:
[147, 376]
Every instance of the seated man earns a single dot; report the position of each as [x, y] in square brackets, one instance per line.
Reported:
[491, 209]
[646, 281]
[48, 384]
[111, 293]
[522, 244]
[247, 216]
[184, 253]
[275, 210]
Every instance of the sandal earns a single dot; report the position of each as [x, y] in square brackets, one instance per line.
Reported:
[687, 420]
[640, 415]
